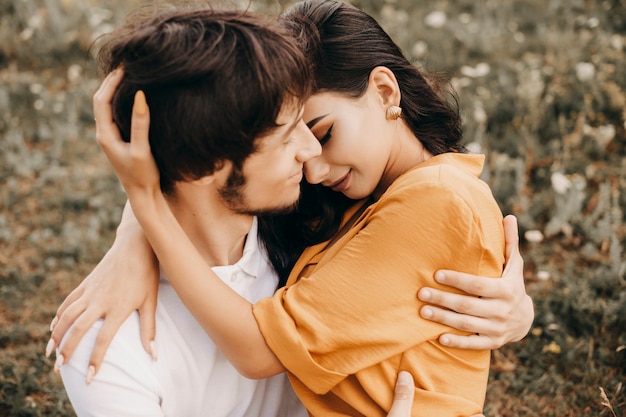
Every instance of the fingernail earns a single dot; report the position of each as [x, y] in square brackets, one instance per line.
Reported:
[444, 340]
[53, 323]
[49, 347]
[404, 378]
[153, 350]
[425, 295]
[440, 277]
[58, 363]
[403, 383]
[140, 105]
[91, 371]
[427, 313]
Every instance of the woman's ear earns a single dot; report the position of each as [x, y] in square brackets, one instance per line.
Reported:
[382, 81]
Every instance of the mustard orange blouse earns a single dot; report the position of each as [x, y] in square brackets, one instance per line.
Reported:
[348, 319]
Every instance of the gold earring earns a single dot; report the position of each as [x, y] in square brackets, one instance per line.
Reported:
[393, 113]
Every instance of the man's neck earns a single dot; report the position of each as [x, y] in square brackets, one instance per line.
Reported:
[218, 233]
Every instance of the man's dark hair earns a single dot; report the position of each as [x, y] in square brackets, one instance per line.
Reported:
[215, 80]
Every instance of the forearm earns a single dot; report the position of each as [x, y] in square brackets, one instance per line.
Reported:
[129, 224]
[129, 236]
[225, 316]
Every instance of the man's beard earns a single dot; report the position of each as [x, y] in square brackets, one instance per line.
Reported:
[232, 195]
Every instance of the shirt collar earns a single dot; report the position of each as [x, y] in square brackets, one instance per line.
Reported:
[253, 255]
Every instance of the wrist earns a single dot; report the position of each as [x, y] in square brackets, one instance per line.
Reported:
[129, 234]
[145, 205]
[128, 224]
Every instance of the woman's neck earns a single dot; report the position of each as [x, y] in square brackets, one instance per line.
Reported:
[406, 153]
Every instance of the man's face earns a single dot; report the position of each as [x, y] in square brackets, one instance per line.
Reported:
[270, 178]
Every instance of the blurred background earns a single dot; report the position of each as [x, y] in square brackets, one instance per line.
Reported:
[541, 86]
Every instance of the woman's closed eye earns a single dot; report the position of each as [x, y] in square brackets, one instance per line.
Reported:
[324, 139]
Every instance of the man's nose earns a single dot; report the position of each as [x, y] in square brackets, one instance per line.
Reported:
[308, 145]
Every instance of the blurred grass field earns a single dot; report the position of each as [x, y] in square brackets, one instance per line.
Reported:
[541, 86]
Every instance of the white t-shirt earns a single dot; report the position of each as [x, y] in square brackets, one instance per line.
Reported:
[191, 378]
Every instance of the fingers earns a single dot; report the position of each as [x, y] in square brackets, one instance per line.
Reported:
[63, 323]
[103, 340]
[511, 235]
[107, 134]
[140, 127]
[106, 130]
[471, 284]
[75, 332]
[497, 321]
[147, 315]
[525, 317]
[69, 300]
[514, 262]
[465, 322]
[403, 396]
[459, 303]
[147, 319]
[133, 162]
[471, 342]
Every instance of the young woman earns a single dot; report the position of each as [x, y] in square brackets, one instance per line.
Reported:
[328, 327]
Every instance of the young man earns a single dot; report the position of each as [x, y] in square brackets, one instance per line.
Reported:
[229, 141]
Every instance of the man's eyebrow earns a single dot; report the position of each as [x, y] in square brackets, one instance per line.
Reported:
[313, 122]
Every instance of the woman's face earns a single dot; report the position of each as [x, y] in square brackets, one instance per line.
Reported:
[355, 143]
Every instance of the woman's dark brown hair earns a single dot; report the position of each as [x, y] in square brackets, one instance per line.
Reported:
[343, 45]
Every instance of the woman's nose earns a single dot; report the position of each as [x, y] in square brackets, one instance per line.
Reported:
[316, 170]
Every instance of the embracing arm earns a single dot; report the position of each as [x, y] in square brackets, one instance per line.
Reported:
[225, 316]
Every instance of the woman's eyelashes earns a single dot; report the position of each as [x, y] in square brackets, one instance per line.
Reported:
[324, 139]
